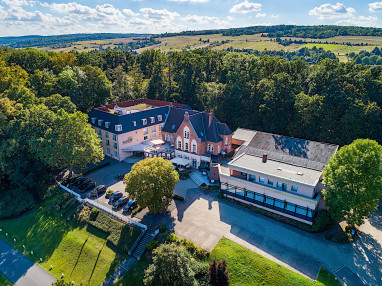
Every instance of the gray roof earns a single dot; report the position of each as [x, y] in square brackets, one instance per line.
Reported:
[200, 123]
[304, 153]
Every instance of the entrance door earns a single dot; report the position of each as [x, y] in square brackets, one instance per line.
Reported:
[194, 163]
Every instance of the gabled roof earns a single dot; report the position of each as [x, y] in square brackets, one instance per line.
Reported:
[298, 152]
[200, 123]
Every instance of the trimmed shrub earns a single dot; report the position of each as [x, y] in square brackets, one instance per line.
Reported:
[95, 168]
[322, 221]
[162, 228]
[152, 245]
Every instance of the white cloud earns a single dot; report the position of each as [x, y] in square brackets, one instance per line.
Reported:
[15, 3]
[375, 7]
[195, 1]
[162, 14]
[230, 18]
[260, 15]
[246, 7]
[370, 21]
[200, 19]
[329, 11]
[129, 12]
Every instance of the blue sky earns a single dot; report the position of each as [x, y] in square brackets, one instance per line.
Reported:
[49, 17]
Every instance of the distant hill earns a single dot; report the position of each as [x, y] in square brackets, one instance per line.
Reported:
[36, 41]
[317, 32]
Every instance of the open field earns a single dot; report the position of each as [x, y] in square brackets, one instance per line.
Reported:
[82, 254]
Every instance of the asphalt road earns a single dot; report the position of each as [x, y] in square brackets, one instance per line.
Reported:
[20, 270]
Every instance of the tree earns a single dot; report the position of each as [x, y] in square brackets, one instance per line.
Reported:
[71, 143]
[151, 182]
[353, 181]
[218, 273]
[171, 267]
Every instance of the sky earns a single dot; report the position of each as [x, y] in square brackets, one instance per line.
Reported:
[53, 17]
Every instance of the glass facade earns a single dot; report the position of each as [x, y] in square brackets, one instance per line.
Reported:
[268, 202]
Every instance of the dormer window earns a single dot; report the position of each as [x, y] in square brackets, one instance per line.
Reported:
[93, 120]
[144, 121]
[118, 127]
[159, 117]
[100, 121]
[107, 124]
[135, 123]
[152, 119]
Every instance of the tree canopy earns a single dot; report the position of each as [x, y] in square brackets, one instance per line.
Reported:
[151, 182]
[353, 181]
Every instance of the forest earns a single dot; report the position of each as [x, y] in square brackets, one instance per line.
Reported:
[44, 98]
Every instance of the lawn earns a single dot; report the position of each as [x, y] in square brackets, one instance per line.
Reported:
[135, 275]
[249, 268]
[80, 253]
[4, 282]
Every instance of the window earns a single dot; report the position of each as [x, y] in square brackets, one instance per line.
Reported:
[144, 121]
[159, 117]
[279, 204]
[145, 137]
[154, 129]
[107, 142]
[186, 146]
[186, 134]
[259, 198]
[301, 210]
[269, 200]
[100, 132]
[106, 134]
[115, 145]
[153, 136]
[145, 131]
[108, 151]
[134, 123]
[107, 124]
[118, 127]
[212, 148]
[243, 174]
[114, 137]
[208, 148]
[251, 178]
[294, 188]
[100, 122]
[152, 119]
[270, 182]
[194, 148]
[115, 154]
[93, 120]
[226, 141]
[290, 207]
[261, 180]
[179, 144]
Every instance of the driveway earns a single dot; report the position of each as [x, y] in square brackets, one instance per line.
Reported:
[20, 270]
[204, 220]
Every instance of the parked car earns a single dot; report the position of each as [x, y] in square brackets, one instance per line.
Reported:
[89, 187]
[122, 201]
[116, 196]
[98, 190]
[79, 181]
[130, 205]
[120, 176]
[84, 184]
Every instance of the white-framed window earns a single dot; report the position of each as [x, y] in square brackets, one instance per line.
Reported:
[115, 145]
[100, 122]
[114, 137]
[152, 119]
[115, 154]
[186, 146]
[194, 148]
[212, 148]
[107, 124]
[159, 117]
[145, 131]
[144, 121]
[134, 123]
[153, 129]
[108, 151]
[94, 120]
[118, 127]
[106, 134]
[208, 147]
[226, 141]
[179, 144]
[145, 137]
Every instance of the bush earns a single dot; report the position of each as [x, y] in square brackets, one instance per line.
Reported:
[93, 214]
[152, 245]
[162, 228]
[15, 202]
[84, 215]
[322, 221]
[95, 168]
[176, 197]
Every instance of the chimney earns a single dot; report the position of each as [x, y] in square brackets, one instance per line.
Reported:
[186, 116]
[265, 157]
[210, 116]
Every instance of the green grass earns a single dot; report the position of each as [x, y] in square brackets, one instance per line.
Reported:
[326, 278]
[70, 249]
[4, 282]
[135, 275]
[249, 268]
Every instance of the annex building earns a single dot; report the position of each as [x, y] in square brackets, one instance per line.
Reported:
[278, 173]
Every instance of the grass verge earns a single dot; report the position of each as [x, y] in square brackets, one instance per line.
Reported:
[135, 275]
[326, 278]
[80, 253]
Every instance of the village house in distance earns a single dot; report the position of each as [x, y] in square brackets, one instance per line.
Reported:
[274, 172]
[160, 129]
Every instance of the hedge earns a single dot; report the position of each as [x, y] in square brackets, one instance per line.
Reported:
[95, 168]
